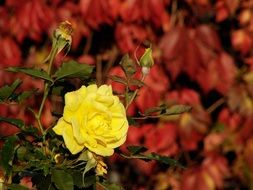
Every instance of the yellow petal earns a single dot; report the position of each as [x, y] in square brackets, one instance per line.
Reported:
[105, 90]
[92, 88]
[106, 100]
[70, 141]
[101, 150]
[60, 126]
[80, 138]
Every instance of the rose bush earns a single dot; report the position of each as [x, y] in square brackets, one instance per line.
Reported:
[93, 118]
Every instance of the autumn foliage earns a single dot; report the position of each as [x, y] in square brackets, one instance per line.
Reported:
[203, 52]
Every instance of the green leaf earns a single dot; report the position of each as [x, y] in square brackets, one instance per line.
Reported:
[177, 109]
[17, 122]
[6, 91]
[57, 90]
[163, 159]
[109, 186]
[77, 178]
[73, 69]
[8, 153]
[41, 74]
[62, 180]
[22, 153]
[24, 95]
[89, 181]
[16, 187]
[128, 65]
[136, 149]
[155, 109]
[136, 82]
[21, 125]
[128, 96]
[81, 182]
[43, 182]
[131, 121]
[119, 79]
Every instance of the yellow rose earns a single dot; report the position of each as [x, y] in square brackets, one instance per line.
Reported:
[93, 118]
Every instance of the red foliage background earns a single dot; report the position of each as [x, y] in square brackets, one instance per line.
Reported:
[203, 58]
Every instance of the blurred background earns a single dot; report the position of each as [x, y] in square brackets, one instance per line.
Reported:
[203, 58]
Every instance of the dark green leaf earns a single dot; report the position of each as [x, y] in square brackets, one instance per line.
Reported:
[6, 91]
[43, 183]
[136, 149]
[8, 153]
[21, 153]
[128, 65]
[17, 122]
[81, 182]
[62, 180]
[177, 109]
[73, 69]
[131, 121]
[57, 90]
[128, 96]
[41, 74]
[21, 125]
[163, 159]
[77, 178]
[109, 186]
[24, 95]
[16, 187]
[89, 180]
[155, 109]
[119, 79]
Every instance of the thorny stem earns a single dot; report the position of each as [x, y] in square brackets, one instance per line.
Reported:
[46, 89]
[45, 95]
[135, 93]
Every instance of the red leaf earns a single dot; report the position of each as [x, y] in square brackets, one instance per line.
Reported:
[130, 36]
[197, 52]
[151, 94]
[98, 12]
[24, 24]
[9, 53]
[208, 176]
[151, 11]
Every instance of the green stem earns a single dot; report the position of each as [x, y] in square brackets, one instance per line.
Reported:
[46, 87]
[135, 93]
[51, 60]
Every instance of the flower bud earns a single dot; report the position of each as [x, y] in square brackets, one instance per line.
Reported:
[146, 61]
[63, 36]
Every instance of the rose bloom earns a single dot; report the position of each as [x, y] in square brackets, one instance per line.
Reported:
[93, 118]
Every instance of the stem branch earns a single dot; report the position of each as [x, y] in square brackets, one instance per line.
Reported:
[134, 94]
